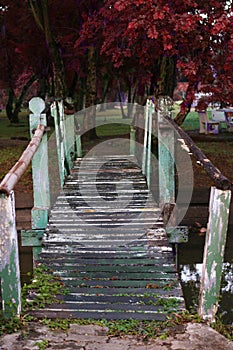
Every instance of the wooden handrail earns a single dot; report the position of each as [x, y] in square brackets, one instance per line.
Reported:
[13, 176]
[220, 181]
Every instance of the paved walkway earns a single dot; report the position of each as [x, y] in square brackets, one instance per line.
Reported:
[193, 336]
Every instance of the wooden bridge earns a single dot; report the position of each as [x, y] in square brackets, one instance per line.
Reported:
[113, 257]
[105, 235]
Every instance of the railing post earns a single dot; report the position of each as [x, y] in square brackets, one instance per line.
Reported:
[69, 140]
[40, 173]
[40, 176]
[132, 140]
[145, 138]
[57, 111]
[214, 253]
[148, 167]
[78, 141]
[78, 145]
[9, 258]
[166, 161]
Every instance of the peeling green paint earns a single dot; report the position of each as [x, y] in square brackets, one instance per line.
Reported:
[132, 140]
[40, 173]
[9, 267]
[78, 146]
[10, 285]
[177, 234]
[39, 217]
[57, 112]
[214, 252]
[166, 162]
[148, 168]
[33, 238]
[69, 140]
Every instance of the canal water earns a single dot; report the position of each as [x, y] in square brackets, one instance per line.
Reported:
[190, 269]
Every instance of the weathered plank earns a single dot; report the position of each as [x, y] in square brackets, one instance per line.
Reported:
[114, 259]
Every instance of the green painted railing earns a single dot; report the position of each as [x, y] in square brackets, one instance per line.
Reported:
[68, 147]
[9, 255]
[219, 203]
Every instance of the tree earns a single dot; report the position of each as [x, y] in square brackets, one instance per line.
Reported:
[188, 38]
[40, 13]
[15, 69]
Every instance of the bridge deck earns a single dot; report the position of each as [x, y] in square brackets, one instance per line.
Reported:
[106, 241]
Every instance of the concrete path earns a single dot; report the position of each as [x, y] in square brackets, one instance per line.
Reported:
[193, 336]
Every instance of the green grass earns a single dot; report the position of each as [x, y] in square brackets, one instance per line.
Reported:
[191, 122]
[9, 131]
[109, 123]
[112, 129]
[8, 157]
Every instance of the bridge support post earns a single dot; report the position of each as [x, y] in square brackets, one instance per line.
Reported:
[9, 258]
[214, 253]
[166, 162]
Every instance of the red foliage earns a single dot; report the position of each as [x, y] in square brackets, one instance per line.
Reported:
[198, 33]
[130, 37]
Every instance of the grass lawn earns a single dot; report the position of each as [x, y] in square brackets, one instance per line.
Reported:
[109, 123]
[12, 131]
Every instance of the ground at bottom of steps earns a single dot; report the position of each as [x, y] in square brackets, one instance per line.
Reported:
[191, 336]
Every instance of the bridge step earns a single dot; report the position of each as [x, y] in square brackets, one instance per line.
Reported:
[107, 243]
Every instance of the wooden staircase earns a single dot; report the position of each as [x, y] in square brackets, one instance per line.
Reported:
[107, 242]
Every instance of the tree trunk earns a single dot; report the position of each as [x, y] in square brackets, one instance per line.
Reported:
[80, 100]
[167, 76]
[131, 98]
[10, 106]
[163, 80]
[120, 100]
[14, 104]
[90, 103]
[19, 100]
[41, 16]
[105, 84]
[185, 106]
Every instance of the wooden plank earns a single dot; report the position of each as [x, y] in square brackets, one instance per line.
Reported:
[103, 307]
[132, 291]
[115, 274]
[99, 253]
[107, 315]
[23, 201]
[70, 262]
[146, 299]
[152, 283]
